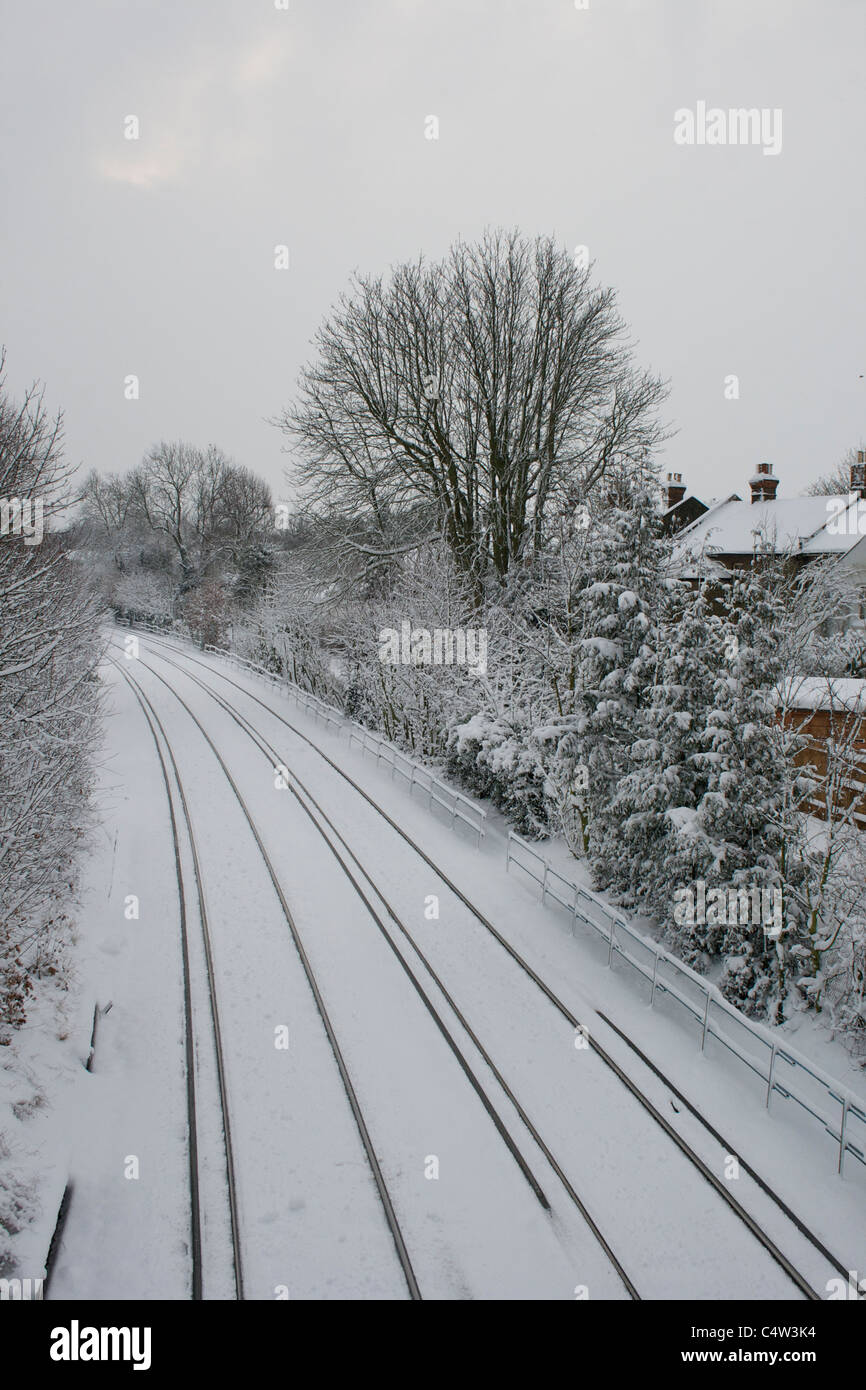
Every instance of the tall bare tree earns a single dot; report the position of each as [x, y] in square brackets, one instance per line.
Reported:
[163, 489]
[490, 389]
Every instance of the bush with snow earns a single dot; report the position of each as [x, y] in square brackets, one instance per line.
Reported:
[491, 758]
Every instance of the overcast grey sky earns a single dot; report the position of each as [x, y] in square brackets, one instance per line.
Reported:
[306, 126]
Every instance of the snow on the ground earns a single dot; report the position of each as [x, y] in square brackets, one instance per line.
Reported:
[39, 1080]
[309, 1216]
[629, 1192]
[133, 966]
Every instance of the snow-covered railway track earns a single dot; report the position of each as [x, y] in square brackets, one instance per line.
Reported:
[191, 1045]
[319, 819]
[332, 838]
[694, 1158]
[363, 1131]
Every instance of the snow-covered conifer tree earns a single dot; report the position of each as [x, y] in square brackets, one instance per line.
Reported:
[617, 661]
[654, 803]
[738, 817]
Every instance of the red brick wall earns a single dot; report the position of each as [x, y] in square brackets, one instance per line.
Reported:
[825, 727]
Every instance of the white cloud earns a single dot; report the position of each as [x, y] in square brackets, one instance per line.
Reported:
[262, 61]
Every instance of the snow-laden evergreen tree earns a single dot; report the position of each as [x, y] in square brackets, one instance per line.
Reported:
[737, 822]
[654, 803]
[704, 809]
[719, 796]
[617, 662]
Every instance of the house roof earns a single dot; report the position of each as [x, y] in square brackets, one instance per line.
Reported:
[825, 692]
[798, 524]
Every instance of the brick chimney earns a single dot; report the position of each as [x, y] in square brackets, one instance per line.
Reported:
[763, 484]
[858, 475]
[676, 489]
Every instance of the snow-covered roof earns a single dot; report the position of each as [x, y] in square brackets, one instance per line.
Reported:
[826, 692]
[799, 524]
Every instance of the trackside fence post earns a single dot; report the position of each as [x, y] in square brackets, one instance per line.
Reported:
[770, 1077]
[706, 1021]
[842, 1135]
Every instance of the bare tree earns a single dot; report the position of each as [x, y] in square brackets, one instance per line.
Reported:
[484, 389]
[163, 488]
[208, 506]
[837, 482]
[107, 510]
[245, 506]
[48, 701]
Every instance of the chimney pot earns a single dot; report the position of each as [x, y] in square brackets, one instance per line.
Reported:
[858, 475]
[763, 484]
